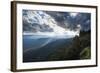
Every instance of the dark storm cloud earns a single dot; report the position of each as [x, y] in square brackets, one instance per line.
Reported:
[84, 19]
[63, 19]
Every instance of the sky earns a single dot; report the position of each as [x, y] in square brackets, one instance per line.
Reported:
[52, 21]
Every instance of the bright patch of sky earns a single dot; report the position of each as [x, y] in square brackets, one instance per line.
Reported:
[73, 14]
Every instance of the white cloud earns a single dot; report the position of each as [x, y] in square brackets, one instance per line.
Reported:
[73, 14]
[43, 18]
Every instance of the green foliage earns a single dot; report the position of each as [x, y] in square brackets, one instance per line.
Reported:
[86, 53]
[78, 49]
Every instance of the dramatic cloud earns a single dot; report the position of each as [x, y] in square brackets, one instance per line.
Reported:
[53, 23]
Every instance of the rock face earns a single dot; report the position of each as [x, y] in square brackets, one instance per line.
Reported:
[78, 49]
